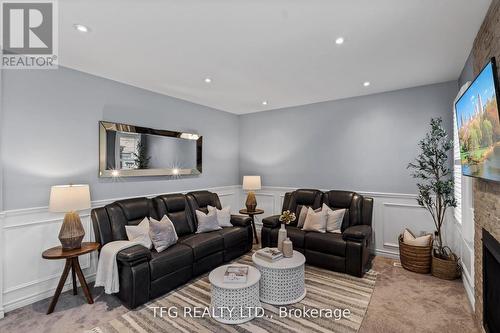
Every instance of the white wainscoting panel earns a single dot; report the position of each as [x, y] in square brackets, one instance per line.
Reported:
[459, 242]
[26, 233]
[392, 212]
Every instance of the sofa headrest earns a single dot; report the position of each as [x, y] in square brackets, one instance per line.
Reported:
[205, 198]
[338, 199]
[307, 197]
[135, 209]
[174, 202]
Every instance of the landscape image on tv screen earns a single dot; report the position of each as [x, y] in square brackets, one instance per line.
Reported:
[479, 127]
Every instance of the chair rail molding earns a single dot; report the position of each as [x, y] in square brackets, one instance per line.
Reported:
[25, 277]
[29, 278]
[392, 212]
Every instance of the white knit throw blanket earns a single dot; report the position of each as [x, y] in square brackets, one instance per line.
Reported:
[107, 267]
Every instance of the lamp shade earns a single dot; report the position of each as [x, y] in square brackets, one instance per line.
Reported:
[68, 198]
[251, 183]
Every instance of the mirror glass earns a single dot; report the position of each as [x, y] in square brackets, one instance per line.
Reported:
[127, 150]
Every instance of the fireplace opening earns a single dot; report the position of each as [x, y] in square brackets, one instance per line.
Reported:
[491, 286]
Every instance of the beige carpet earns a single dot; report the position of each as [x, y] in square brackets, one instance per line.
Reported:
[325, 290]
[407, 302]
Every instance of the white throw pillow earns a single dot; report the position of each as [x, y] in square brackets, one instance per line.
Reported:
[409, 239]
[334, 218]
[162, 233]
[140, 233]
[223, 215]
[302, 217]
[207, 222]
[315, 221]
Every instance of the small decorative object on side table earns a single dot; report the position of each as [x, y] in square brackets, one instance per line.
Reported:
[70, 199]
[72, 263]
[286, 218]
[287, 248]
[251, 214]
[250, 184]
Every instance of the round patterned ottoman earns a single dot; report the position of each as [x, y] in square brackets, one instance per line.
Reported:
[283, 281]
[234, 302]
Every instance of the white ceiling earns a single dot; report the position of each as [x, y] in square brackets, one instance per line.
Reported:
[282, 51]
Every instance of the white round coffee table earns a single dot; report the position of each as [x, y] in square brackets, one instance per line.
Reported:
[233, 302]
[282, 281]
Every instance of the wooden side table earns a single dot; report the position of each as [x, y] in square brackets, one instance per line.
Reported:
[72, 263]
[252, 214]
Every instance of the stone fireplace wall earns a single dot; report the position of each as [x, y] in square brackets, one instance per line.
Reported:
[486, 194]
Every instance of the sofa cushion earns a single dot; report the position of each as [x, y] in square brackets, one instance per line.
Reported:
[234, 236]
[203, 244]
[176, 208]
[326, 243]
[170, 260]
[296, 235]
[135, 209]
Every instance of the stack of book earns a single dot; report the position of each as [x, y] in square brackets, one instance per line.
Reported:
[236, 274]
[270, 254]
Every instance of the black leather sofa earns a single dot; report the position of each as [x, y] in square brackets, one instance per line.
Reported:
[347, 252]
[146, 274]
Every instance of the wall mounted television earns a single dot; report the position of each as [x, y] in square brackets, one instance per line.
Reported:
[478, 123]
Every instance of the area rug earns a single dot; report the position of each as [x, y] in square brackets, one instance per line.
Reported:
[325, 290]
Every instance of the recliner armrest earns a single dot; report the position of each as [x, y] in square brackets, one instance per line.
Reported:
[240, 220]
[134, 255]
[357, 233]
[271, 221]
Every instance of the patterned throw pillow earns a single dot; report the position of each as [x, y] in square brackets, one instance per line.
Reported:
[207, 222]
[223, 216]
[140, 233]
[162, 233]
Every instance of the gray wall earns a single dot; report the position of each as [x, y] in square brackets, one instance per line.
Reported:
[52, 135]
[467, 72]
[362, 143]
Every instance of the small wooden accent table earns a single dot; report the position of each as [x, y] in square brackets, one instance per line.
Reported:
[252, 214]
[72, 263]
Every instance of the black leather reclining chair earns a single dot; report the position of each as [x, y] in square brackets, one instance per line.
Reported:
[347, 252]
[146, 274]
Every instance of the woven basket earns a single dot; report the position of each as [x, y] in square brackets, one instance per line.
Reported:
[415, 258]
[446, 269]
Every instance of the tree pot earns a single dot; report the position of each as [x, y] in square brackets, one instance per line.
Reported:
[447, 269]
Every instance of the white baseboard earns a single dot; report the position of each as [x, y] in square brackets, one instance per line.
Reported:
[27, 278]
[48, 293]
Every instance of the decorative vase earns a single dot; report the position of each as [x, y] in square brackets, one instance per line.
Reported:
[287, 248]
[281, 237]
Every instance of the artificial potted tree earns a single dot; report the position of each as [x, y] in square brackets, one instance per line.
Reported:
[435, 186]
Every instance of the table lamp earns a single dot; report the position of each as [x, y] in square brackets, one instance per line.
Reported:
[250, 184]
[70, 199]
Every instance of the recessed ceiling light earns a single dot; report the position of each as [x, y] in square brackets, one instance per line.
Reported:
[208, 80]
[339, 41]
[366, 84]
[264, 102]
[81, 28]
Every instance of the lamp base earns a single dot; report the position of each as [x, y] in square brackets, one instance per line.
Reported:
[251, 202]
[72, 232]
